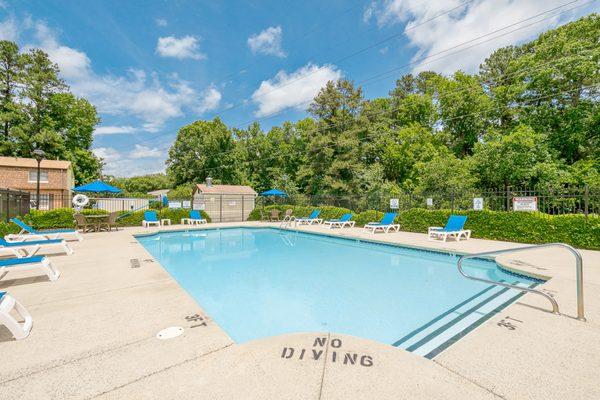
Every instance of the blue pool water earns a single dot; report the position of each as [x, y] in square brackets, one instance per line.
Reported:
[263, 282]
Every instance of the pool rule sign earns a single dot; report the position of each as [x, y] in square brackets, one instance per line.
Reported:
[394, 204]
[331, 350]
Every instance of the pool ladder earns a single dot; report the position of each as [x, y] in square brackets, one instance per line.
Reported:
[579, 274]
[287, 221]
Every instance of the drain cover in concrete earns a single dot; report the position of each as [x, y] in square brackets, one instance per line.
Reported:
[170, 332]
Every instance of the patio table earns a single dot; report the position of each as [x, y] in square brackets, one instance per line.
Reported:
[96, 220]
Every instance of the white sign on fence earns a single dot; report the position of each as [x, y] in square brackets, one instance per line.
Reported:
[478, 203]
[187, 204]
[429, 201]
[174, 204]
[528, 203]
[394, 204]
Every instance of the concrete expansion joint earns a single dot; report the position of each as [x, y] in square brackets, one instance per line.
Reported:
[324, 365]
[89, 294]
[470, 380]
[145, 376]
[77, 359]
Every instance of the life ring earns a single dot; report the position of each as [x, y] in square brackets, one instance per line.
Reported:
[80, 200]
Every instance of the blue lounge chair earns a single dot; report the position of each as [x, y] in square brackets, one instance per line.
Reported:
[150, 218]
[27, 263]
[454, 229]
[312, 218]
[340, 222]
[29, 233]
[31, 247]
[386, 223]
[7, 304]
[195, 218]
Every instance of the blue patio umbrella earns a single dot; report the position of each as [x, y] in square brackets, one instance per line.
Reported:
[97, 187]
[274, 192]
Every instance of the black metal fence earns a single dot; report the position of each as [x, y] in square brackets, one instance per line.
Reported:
[13, 203]
[232, 208]
[551, 201]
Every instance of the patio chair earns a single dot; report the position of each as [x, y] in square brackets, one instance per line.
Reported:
[28, 263]
[264, 216]
[312, 218]
[344, 220]
[111, 221]
[82, 223]
[150, 218]
[196, 217]
[386, 224]
[29, 233]
[7, 304]
[454, 229]
[30, 248]
[274, 214]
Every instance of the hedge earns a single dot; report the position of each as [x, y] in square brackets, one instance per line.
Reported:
[327, 212]
[520, 227]
[63, 218]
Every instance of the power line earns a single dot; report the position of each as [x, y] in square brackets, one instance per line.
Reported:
[379, 76]
[342, 59]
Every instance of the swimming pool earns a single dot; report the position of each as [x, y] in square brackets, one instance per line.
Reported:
[259, 282]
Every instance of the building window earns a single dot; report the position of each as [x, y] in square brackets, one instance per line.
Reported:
[43, 176]
[46, 201]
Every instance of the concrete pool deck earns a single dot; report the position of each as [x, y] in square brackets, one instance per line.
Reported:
[94, 337]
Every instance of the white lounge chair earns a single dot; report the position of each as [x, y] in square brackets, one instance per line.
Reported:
[454, 229]
[7, 304]
[29, 233]
[313, 218]
[28, 263]
[30, 248]
[386, 224]
[341, 222]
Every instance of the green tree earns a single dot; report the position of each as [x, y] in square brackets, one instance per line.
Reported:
[462, 106]
[444, 173]
[202, 149]
[521, 157]
[11, 71]
[332, 147]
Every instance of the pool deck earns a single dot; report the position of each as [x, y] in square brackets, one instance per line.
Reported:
[94, 337]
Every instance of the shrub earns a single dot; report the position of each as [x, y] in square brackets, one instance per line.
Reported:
[520, 227]
[327, 212]
[175, 215]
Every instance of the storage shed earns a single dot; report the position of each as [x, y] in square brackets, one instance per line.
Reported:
[224, 203]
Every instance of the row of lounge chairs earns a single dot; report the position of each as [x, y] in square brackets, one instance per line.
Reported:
[454, 227]
[23, 247]
[151, 218]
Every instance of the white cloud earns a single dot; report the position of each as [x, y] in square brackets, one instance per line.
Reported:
[267, 42]
[140, 161]
[115, 130]
[211, 98]
[108, 154]
[293, 90]
[463, 24]
[161, 22]
[184, 47]
[141, 151]
[9, 29]
[73, 64]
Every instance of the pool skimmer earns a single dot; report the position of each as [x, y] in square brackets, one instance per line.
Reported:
[170, 333]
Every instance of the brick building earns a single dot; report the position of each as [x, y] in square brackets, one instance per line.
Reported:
[56, 179]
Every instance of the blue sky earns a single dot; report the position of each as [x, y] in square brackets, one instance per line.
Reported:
[151, 67]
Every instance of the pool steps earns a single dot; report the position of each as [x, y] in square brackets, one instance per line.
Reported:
[438, 334]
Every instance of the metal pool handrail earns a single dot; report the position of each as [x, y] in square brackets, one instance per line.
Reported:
[579, 273]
